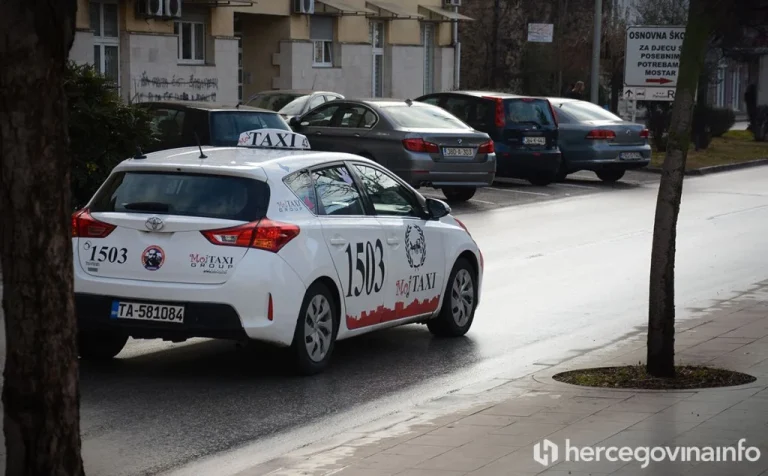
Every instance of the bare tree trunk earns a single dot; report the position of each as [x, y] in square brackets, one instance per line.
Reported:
[40, 393]
[702, 15]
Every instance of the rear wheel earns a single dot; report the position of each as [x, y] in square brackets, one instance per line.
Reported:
[610, 175]
[458, 309]
[100, 345]
[316, 328]
[459, 194]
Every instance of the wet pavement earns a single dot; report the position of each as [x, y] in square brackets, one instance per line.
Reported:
[562, 276]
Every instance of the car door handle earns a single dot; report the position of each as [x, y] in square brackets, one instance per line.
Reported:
[357, 135]
[318, 133]
[393, 241]
[338, 241]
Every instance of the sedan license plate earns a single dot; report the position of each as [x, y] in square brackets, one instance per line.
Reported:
[630, 156]
[535, 140]
[147, 312]
[458, 152]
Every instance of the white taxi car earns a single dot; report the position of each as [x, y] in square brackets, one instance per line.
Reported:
[269, 243]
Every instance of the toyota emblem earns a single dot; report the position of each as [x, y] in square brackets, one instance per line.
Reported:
[154, 224]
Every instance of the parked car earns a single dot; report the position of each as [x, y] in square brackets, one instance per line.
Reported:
[182, 124]
[423, 144]
[524, 130]
[592, 138]
[291, 103]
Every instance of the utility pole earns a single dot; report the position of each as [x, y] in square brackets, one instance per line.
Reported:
[494, 73]
[594, 81]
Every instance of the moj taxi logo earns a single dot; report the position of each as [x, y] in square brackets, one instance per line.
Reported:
[415, 246]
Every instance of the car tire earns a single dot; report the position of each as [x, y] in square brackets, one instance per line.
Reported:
[610, 175]
[459, 194]
[459, 302]
[542, 180]
[316, 329]
[100, 345]
[562, 172]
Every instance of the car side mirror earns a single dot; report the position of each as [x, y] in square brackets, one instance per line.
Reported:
[294, 122]
[437, 208]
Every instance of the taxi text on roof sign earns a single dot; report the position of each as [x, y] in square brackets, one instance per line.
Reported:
[653, 56]
[273, 139]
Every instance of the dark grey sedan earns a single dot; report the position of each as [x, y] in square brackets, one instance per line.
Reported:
[592, 138]
[423, 144]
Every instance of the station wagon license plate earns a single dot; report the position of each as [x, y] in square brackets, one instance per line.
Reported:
[535, 140]
[630, 156]
[147, 312]
[458, 152]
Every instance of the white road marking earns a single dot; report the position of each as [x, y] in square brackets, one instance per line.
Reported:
[519, 191]
[577, 186]
[482, 201]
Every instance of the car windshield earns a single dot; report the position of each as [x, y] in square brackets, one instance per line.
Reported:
[529, 111]
[226, 127]
[210, 196]
[422, 117]
[586, 111]
[295, 107]
[272, 101]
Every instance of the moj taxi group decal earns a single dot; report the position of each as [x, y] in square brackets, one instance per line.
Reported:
[211, 264]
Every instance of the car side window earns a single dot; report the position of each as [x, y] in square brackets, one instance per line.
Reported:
[322, 116]
[315, 101]
[459, 107]
[357, 117]
[388, 196]
[300, 184]
[336, 192]
[434, 100]
[168, 124]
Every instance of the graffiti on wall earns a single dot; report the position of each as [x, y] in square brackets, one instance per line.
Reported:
[175, 88]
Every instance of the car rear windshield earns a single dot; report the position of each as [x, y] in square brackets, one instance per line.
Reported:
[198, 195]
[586, 111]
[422, 117]
[529, 111]
[273, 102]
[295, 107]
[226, 127]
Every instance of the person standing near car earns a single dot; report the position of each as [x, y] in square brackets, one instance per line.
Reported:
[578, 91]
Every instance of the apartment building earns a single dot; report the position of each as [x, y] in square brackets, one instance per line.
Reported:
[223, 51]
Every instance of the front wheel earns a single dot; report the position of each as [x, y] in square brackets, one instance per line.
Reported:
[316, 329]
[100, 345]
[609, 175]
[459, 302]
[459, 194]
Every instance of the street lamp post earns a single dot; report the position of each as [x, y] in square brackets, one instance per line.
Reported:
[594, 81]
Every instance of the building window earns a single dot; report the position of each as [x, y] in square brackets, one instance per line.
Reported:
[106, 41]
[736, 88]
[377, 42]
[191, 47]
[428, 41]
[720, 91]
[321, 34]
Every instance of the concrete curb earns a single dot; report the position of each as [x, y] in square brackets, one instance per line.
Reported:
[715, 168]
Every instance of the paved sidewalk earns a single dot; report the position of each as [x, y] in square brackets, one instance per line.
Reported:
[492, 429]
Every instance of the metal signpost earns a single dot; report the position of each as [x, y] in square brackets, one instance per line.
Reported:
[651, 63]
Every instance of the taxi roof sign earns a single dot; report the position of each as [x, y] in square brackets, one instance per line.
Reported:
[273, 139]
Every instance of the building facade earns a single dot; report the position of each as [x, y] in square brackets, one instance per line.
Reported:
[225, 51]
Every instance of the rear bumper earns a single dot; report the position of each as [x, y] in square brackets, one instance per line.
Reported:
[602, 156]
[422, 170]
[524, 163]
[235, 309]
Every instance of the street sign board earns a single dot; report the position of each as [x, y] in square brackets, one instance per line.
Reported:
[649, 94]
[540, 32]
[653, 55]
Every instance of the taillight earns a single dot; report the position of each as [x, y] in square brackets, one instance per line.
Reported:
[644, 134]
[85, 226]
[265, 234]
[499, 116]
[601, 134]
[420, 145]
[270, 309]
[487, 148]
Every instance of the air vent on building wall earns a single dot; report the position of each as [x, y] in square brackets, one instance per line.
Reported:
[172, 9]
[150, 8]
[452, 3]
[304, 6]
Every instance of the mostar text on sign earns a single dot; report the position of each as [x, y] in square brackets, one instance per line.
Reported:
[653, 55]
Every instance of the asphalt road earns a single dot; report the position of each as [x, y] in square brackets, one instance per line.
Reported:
[562, 275]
